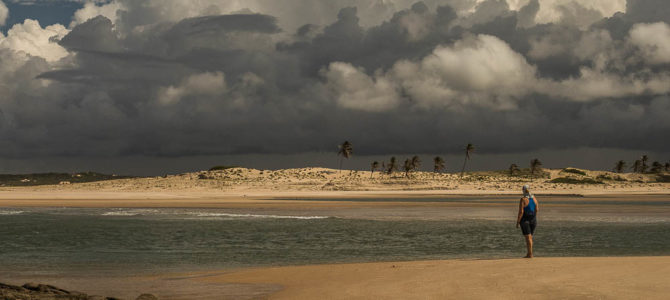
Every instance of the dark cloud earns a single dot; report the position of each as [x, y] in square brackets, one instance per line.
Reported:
[427, 79]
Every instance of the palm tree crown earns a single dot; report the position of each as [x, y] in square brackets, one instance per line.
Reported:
[644, 159]
[535, 165]
[438, 164]
[620, 166]
[416, 162]
[407, 167]
[346, 150]
[392, 166]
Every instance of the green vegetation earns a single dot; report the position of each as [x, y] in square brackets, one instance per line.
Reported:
[513, 168]
[54, 178]
[607, 177]
[219, 168]
[569, 180]
[663, 178]
[574, 171]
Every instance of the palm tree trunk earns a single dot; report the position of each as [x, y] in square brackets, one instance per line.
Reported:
[340, 170]
[464, 162]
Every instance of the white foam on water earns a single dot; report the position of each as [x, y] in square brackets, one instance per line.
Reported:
[230, 215]
[10, 212]
[131, 212]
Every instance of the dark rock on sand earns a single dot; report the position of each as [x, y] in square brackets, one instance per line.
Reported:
[32, 291]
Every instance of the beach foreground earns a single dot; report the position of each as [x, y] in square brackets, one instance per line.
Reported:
[195, 236]
[538, 278]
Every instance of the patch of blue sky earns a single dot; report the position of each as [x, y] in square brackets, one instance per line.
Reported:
[47, 12]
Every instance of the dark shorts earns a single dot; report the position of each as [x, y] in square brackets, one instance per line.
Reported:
[528, 225]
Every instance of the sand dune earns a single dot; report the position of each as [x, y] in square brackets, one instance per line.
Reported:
[313, 181]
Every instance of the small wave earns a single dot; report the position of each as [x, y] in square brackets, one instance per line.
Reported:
[259, 216]
[132, 212]
[10, 212]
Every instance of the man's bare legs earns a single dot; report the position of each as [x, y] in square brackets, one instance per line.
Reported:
[529, 245]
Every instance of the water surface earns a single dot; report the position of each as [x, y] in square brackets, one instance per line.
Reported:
[52, 241]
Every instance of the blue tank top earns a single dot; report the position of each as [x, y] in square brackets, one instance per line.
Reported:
[529, 210]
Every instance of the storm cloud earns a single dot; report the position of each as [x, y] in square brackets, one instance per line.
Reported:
[178, 79]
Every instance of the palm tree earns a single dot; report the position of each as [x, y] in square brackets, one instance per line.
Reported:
[468, 150]
[535, 165]
[392, 166]
[512, 169]
[637, 166]
[644, 166]
[346, 149]
[374, 166]
[407, 167]
[416, 162]
[620, 166]
[656, 167]
[438, 164]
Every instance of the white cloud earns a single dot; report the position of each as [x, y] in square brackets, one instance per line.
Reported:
[32, 39]
[481, 70]
[4, 13]
[354, 89]
[597, 83]
[653, 40]
[203, 84]
[91, 10]
[552, 11]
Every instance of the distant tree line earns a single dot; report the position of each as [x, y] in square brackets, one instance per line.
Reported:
[346, 149]
[439, 164]
[642, 166]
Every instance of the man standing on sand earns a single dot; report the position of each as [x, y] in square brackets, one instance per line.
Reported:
[527, 218]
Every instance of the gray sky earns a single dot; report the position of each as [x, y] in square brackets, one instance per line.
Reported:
[160, 86]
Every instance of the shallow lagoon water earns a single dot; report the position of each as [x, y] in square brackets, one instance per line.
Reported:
[52, 241]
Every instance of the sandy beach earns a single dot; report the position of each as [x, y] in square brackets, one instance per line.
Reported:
[353, 195]
[539, 278]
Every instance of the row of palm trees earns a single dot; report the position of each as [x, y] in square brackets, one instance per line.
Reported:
[642, 166]
[411, 164]
[535, 166]
[346, 150]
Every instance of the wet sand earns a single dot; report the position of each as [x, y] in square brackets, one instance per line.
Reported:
[540, 278]
[362, 205]
[543, 278]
